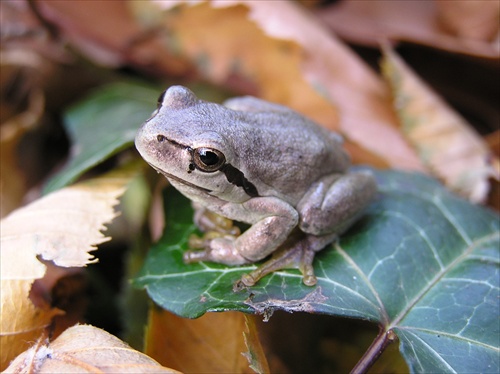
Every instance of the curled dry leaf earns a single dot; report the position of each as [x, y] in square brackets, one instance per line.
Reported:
[63, 227]
[255, 352]
[446, 143]
[85, 349]
[213, 343]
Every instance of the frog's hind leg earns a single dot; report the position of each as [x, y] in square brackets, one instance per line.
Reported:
[335, 202]
[297, 252]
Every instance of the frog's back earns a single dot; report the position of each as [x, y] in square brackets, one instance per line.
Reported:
[289, 152]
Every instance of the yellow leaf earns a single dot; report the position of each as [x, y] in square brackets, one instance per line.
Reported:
[85, 349]
[446, 143]
[21, 321]
[63, 227]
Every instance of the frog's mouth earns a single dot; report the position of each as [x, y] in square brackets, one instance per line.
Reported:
[179, 180]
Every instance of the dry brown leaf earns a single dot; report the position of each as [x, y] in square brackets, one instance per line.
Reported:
[212, 343]
[446, 143]
[84, 349]
[292, 60]
[470, 19]
[63, 227]
[372, 21]
[106, 32]
[237, 45]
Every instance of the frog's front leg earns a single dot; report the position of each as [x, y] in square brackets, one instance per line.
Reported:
[272, 221]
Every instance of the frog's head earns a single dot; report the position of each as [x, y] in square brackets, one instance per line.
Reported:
[185, 139]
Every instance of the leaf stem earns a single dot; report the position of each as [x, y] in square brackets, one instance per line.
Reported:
[383, 339]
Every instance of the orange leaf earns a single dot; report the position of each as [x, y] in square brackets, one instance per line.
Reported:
[213, 343]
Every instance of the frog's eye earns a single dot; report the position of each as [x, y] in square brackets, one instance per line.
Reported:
[208, 159]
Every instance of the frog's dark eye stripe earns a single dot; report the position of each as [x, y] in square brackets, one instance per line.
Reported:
[162, 138]
[236, 177]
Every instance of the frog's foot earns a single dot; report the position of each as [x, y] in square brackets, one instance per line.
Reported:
[200, 242]
[294, 257]
[208, 221]
[219, 249]
[299, 255]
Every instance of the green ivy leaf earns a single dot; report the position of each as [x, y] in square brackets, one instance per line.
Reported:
[102, 125]
[421, 262]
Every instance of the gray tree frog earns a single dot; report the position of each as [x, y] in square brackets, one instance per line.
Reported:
[260, 163]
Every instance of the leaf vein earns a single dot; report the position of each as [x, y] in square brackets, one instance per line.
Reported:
[450, 335]
[436, 354]
[419, 296]
[446, 213]
[383, 313]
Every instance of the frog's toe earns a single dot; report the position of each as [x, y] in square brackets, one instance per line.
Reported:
[199, 242]
[298, 256]
[308, 276]
[195, 256]
[306, 268]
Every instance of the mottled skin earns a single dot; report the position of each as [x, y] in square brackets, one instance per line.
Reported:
[260, 163]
